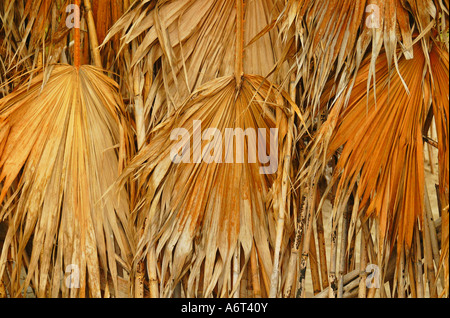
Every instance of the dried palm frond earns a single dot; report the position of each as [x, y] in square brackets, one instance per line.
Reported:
[206, 221]
[439, 61]
[332, 37]
[176, 46]
[59, 155]
[382, 144]
[196, 217]
[32, 26]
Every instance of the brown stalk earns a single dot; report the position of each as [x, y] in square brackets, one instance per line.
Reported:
[92, 34]
[419, 264]
[314, 265]
[77, 37]
[238, 63]
[342, 262]
[255, 273]
[411, 277]
[431, 275]
[322, 249]
[152, 273]
[333, 258]
[350, 282]
[401, 275]
[433, 234]
[363, 263]
[305, 255]
[282, 206]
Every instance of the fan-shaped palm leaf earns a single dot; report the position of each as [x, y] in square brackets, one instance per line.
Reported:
[58, 157]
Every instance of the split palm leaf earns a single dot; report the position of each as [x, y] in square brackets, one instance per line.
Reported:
[59, 155]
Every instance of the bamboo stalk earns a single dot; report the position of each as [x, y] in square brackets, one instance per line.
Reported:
[351, 261]
[362, 267]
[282, 205]
[348, 278]
[429, 257]
[92, 34]
[418, 261]
[433, 235]
[2, 289]
[292, 266]
[139, 108]
[313, 259]
[342, 262]
[322, 249]
[152, 273]
[400, 275]
[333, 258]
[411, 279]
[314, 265]
[334, 236]
[301, 292]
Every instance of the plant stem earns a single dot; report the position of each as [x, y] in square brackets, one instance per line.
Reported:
[92, 34]
[282, 202]
[255, 273]
[418, 260]
[77, 36]
[238, 66]
[363, 263]
[322, 249]
[342, 263]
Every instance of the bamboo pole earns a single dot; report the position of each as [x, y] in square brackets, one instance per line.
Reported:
[342, 262]
[433, 235]
[362, 267]
[411, 278]
[305, 254]
[2, 289]
[315, 277]
[418, 261]
[281, 207]
[349, 278]
[322, 249]
[400, 274]
[292, 266]
[333, 258]
[152, 273]
[93, 39]
[429, 257]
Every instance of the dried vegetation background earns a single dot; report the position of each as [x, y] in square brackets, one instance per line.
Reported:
[358, 91]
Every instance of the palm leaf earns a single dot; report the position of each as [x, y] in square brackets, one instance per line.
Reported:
[197, 216]
[58, 159]
[177, 46]
[382, 146]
